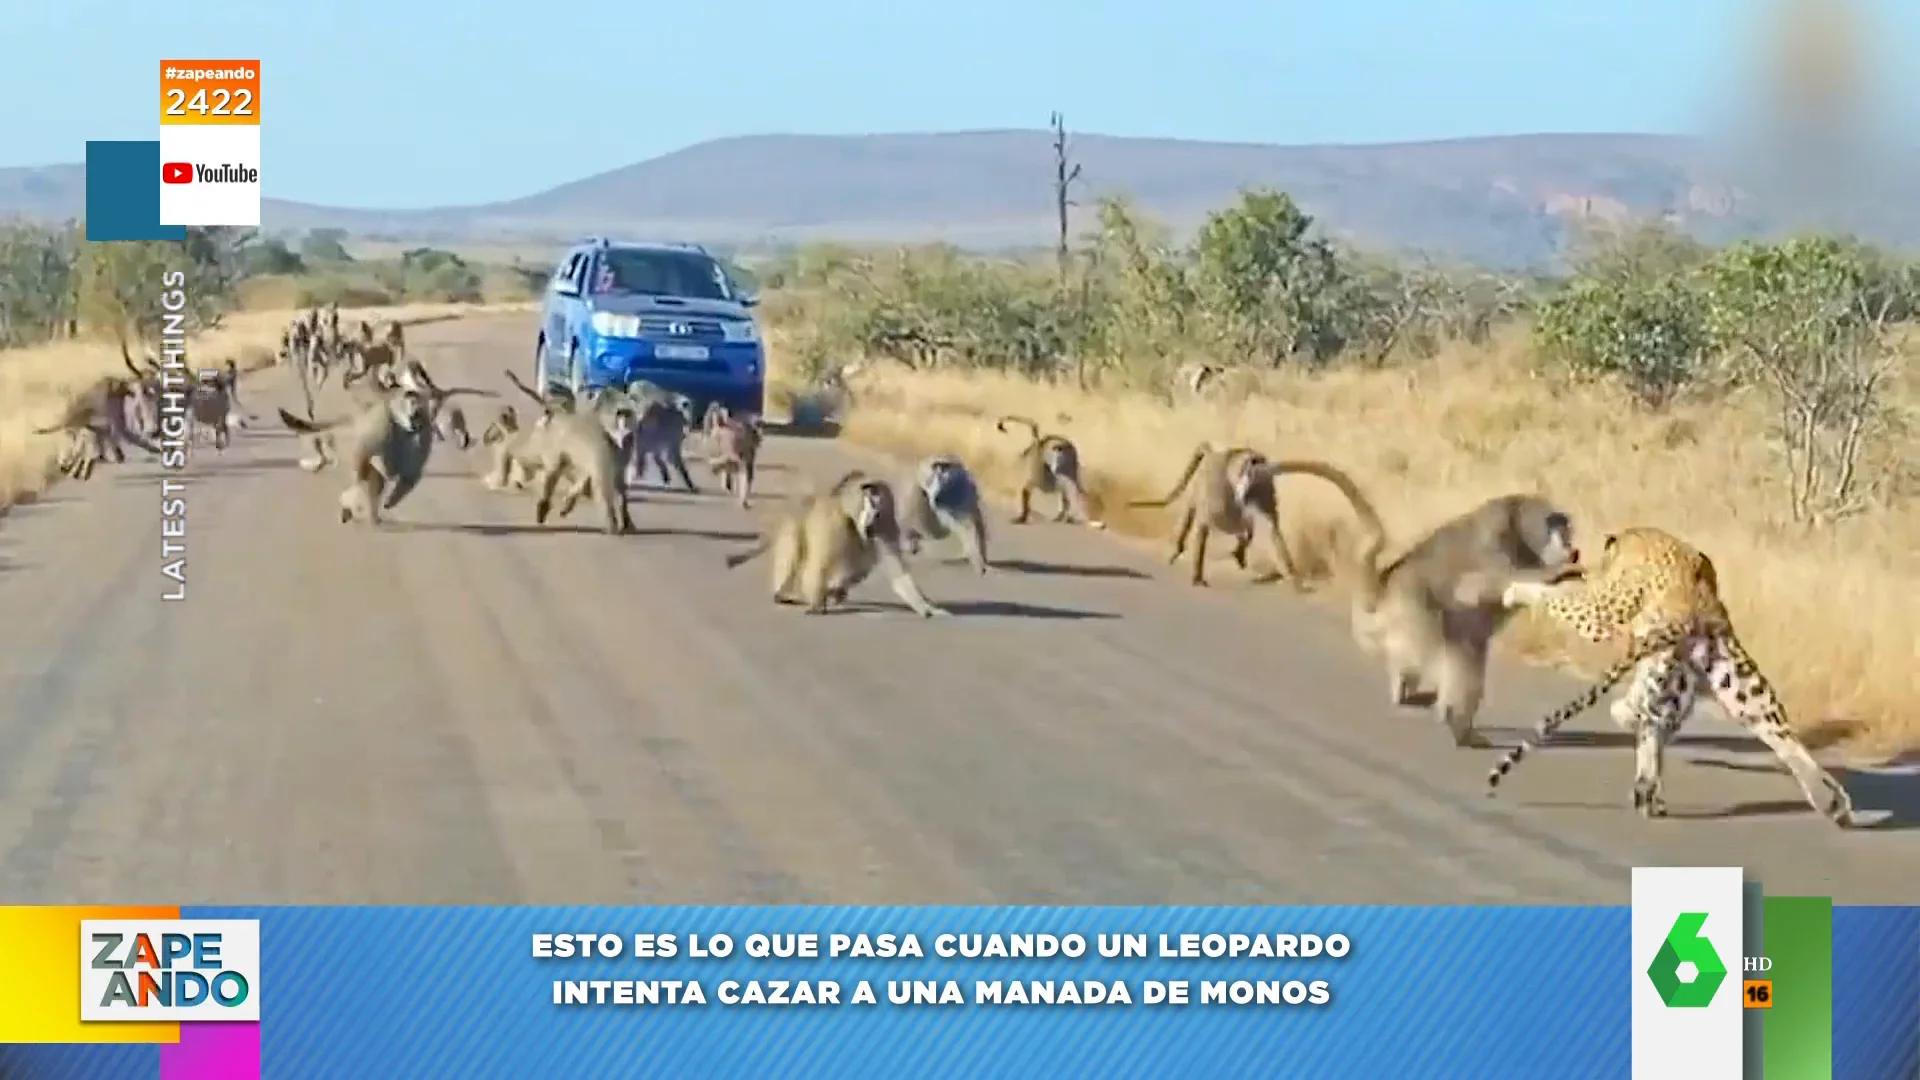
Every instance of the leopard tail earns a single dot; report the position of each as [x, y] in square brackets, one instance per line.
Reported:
[1660, 640]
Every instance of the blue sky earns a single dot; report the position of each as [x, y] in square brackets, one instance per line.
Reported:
[402, 103]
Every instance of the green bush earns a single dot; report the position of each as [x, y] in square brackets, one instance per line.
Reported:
[1649, 333]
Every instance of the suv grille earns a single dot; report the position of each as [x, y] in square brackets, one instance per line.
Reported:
[669, 326]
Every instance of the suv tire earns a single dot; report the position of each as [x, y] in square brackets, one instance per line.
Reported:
[576, 379]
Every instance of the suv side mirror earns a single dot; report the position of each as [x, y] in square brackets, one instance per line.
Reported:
[749, 300]
[565, 287]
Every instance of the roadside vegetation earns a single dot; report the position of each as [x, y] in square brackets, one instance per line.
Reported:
[66, 306]
[1761, 400]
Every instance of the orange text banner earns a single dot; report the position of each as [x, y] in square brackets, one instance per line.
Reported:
[210, 92]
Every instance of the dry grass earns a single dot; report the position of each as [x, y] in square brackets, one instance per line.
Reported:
[37, 383]
[1832, 617]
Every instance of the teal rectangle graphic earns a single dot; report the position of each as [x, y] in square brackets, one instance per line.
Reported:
[1799, 1027]
[123, 193]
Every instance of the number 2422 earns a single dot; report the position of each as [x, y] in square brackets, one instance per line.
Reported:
[224, 103]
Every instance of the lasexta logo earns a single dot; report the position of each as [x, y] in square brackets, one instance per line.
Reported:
[176, 172]
[1685, 947]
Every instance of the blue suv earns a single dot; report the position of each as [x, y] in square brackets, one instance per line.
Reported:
[670, 314]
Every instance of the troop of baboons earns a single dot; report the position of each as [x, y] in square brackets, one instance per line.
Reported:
[1430, 613]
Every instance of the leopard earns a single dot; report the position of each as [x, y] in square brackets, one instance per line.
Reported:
[1664, 594]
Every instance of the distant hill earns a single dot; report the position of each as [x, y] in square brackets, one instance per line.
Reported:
[1504, 201]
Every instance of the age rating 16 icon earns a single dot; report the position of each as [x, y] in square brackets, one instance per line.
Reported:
[176, 172]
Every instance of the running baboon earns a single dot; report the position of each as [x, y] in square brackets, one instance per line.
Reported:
[384, 449]
[832, 541]
[659, 437]
[642, 430]
[1433, 612]
[733, 447]
[943, 500]
[86, 447]
[510, 469]
[451, 426]
[1052, 466]
[102, 407]
[306, 350]
[577, 447]
[1229, 490]
[211, 403]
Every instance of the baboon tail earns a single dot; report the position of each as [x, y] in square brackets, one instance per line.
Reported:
[1373, 530]
[305, 427]
[54, 430]
[1186, 477]
[840, 485]
[525, 389]
[1033, 429]
[741, 558]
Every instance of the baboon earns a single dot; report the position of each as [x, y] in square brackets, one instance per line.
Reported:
[943, 500]
[578, 447]
[832, 541]
[641, 431]
[659, 437]
[733, 447]
[86, 447]
[1230, 490]
[1052, 466]
[149, 382]
[366, 358]
[510, 469]
[1433, 612]
[396, 338]
[103, 408]
[305, 348]
[1197, 376]
[451, 426]
[384, 449]
[210, 405]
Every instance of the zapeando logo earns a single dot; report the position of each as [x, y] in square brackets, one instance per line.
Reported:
[180, 172]
[169, 969]
[1686, 946]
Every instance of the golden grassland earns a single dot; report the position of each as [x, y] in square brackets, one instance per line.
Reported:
[1833, 616]
[37, 383]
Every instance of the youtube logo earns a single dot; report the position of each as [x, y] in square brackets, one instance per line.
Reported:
[176, 172]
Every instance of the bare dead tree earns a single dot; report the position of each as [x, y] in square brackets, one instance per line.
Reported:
[1065, 173]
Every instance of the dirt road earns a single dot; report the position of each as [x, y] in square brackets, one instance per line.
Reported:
[466, 708]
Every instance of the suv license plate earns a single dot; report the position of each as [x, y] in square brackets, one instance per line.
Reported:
[680, 352]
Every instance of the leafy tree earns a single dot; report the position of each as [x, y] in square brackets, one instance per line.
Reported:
[326, 246]
[1273, 287]
[1809, 319]
[1647, 332]
[123, 285]
[37, 276]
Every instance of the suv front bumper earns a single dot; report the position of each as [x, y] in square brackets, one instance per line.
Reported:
[733, 373]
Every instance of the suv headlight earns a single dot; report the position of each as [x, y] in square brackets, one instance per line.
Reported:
[610, 324]
[740, 330]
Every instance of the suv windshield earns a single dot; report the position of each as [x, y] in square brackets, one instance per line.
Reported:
[661, 273]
